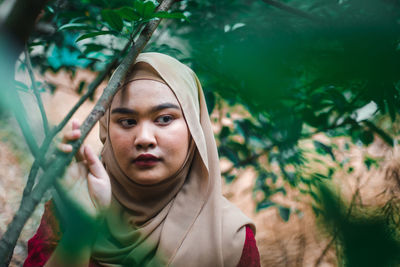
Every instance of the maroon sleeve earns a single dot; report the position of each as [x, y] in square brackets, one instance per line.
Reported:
[250, 255]
[43, 243]
[46, 239]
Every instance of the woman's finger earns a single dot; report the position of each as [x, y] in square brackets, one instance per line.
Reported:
[71, 135]
[75, 124]
[66, 148]
[94, 164]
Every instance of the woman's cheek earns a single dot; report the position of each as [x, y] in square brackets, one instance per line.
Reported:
[120, 142]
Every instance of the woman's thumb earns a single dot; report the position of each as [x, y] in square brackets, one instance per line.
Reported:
[93, 163]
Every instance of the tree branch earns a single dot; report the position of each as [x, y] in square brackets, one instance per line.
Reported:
[58, 166]
[36, 91]
[31, 178]
[245, 161]
[385, 137]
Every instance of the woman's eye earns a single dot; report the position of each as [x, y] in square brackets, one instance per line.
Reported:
[165, 119]
[127, 122]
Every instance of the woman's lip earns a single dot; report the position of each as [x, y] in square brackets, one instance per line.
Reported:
[146, 160]
[146, 157]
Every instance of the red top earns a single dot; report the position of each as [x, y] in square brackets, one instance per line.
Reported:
[43, 243]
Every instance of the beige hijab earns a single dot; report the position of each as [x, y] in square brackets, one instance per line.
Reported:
[184, 220]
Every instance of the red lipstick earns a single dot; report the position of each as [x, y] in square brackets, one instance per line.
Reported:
[146, 160]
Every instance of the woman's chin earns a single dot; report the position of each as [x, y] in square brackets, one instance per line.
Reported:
[146, 180]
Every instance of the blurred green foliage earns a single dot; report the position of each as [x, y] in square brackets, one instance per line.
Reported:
[294, 75]
[367, 237]
[335, 71]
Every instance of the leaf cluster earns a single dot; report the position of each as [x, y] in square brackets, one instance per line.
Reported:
[335, 72]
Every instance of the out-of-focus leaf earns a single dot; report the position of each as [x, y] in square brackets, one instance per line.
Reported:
[144, 9]
[367, 137]
[264, 204]
[369, 162]
[21, 86]
[210, 98]
[323, 149]
[284, 212]
[81, 87]
[93, 34]
[386, 137]
[365, 238]
[75, 26]
[93, 48]
[128, 13]
[229, 154]
[113, 19]
[170, 15]
[225, 131]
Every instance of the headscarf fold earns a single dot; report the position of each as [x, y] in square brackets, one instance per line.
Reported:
[183, 220]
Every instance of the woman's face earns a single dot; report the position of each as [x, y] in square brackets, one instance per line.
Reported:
[148, 131]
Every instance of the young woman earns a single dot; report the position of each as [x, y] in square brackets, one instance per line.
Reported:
[160, 162]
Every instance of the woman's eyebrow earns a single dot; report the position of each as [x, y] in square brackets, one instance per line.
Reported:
[152, 110]
[164, 106]
[123, 111]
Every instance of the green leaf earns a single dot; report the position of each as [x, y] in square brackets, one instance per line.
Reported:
[148, 9]
[75, 26]
[93, 34]
[229, 154]
[264, 204]
[144, 9]
[323, 149]
[368, 161]
[113, 19]
[281, 190]
[386, 137]
[225, 131]
[81, 86]
[367, 137]
[49, 9]
[284, 213]
[168, 15]
[350, 170]
[36, 43]
[210, 98]
[21, 86]
[128, 13]
[93, 48]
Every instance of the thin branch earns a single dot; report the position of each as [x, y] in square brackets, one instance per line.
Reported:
[385, 136]
[245, 161]
[293, 10]
[31, 178]
[61, 161]
[36, 91]
[133, 35]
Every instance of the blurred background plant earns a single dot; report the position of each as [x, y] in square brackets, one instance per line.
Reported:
[276, 74]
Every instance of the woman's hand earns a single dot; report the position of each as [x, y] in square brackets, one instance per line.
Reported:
[82, 196]
[85, 185]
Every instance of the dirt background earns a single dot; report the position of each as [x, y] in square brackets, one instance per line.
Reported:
[298, 242]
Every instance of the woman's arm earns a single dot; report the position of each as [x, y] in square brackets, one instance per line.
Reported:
[46, 238]
[250, 255]
[82, 196]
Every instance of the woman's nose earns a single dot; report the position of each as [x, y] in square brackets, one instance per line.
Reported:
[144, 137]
